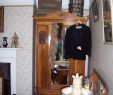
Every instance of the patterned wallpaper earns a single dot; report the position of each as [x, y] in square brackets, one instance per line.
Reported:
[19, 20]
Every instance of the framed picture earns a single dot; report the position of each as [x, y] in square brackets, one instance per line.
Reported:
[50, 4]
[107, 17]
[95, 11]
[44, 7]
[1, 18]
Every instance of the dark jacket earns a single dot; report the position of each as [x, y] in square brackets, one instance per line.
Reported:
[77, 37]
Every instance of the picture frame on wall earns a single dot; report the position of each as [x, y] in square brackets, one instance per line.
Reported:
[95, 11]
[44, 7]
[107, 19]
[1, 19]
[50, 4]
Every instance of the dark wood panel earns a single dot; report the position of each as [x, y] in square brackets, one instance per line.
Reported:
[1, 19]
[42, 57]
[49, 92]
[77, 66]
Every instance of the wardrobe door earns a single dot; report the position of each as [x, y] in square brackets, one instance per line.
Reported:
[58, 67]
[77, 66]
[41, 57]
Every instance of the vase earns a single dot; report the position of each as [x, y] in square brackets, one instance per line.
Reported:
[4, 43]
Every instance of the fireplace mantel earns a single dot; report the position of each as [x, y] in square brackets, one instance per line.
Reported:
[8, 55]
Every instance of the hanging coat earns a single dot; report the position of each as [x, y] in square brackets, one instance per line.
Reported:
[77, 42]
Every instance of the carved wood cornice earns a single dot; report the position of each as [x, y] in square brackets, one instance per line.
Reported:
[63, 17]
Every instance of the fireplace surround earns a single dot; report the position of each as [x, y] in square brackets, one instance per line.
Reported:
[8, 55]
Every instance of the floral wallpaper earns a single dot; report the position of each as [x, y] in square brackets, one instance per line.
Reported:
[19, 20]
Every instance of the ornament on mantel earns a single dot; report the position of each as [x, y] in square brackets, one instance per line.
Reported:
[14, 41]
[4, 43]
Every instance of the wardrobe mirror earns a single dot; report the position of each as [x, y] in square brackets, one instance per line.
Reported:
[59, 66]
[107, 17]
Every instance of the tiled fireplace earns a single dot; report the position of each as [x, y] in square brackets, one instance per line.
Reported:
[8, 55]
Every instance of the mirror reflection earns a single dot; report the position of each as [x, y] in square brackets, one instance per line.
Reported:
[108, 35]
[59, 66]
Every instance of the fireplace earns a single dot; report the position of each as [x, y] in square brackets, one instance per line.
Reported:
[8, 59]
[5, 72]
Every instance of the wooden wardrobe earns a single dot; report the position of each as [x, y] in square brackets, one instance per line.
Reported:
[50, 79]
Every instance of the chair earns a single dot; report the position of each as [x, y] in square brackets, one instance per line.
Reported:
[97, 84]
